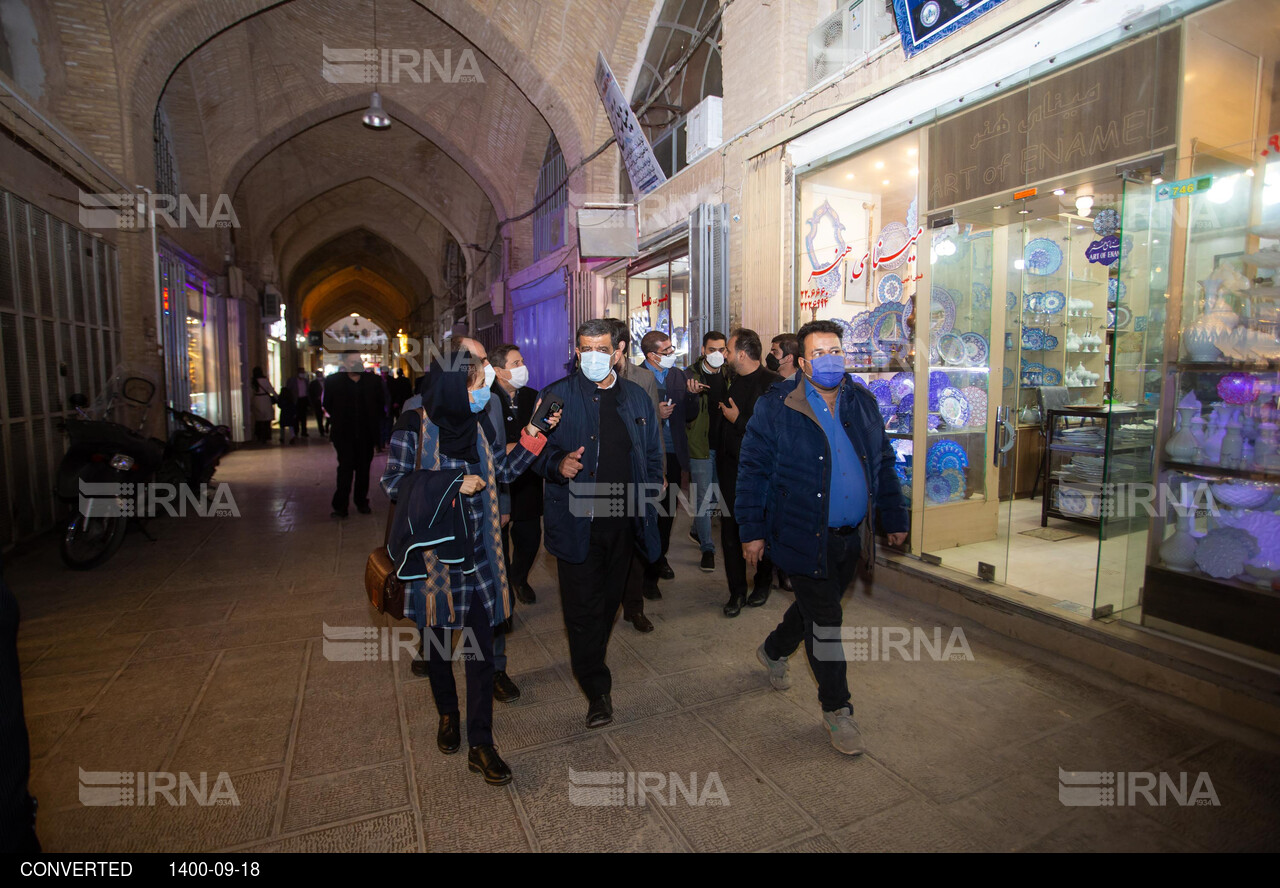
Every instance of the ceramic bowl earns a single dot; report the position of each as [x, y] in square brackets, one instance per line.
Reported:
[1241, 494]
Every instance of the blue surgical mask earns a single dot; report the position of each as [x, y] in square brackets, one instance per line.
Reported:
[479, 399]
[596, 365]
[827, 370]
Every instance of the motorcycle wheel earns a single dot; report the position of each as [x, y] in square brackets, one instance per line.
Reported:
[88, 542]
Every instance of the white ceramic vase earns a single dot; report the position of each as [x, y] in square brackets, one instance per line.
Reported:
[1179, 550]
[1182, 446]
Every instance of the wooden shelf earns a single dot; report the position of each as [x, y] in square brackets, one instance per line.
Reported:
[1227, 366]
[1186, 468]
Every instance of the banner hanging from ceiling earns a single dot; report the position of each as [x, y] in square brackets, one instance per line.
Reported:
[637, 154]
[923, 23]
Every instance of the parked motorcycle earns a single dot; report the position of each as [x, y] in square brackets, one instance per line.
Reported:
[108, 457]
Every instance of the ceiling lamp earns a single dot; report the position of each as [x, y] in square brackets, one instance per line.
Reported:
[375, 117]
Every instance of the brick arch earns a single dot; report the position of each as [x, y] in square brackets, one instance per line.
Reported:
[359, 289]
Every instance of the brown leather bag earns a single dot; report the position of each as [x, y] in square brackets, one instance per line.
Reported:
[386, 591]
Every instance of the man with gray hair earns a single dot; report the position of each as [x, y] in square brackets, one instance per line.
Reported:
[603, 469]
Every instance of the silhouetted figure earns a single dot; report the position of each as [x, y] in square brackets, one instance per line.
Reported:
[353, 400]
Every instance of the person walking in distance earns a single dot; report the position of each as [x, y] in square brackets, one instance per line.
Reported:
[315, 394]
[783, 351]
[401, 390]
[814, 469]
[443, 475]
[750, 380]
[677, 405]
[522, 535]
[607, 441]
[301, 386]
[637, 590]
[262, 405]
[708, 378]
[353, 400]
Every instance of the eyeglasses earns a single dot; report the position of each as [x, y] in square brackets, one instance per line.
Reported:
[669, 350]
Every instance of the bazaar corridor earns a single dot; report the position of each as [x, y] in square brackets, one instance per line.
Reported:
[206, 652]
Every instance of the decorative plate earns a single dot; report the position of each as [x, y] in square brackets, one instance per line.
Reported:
[913, 219]
[1032, 338]
[981, 296]
[891, 243]
[1010, 301]
[888, 329]
[861, 332]
[1051, 376]
[1042, 257]
[880, 388]
[977, 398]
[847, 339]
[976, 349]
[1123, 316]
[1072, 501]
[946, 454]
[1140, 323]
[901, 385]
[1106, 222]
[682, 339]
[1053, 302]
[890, 288]
[1115, 290]
[953, 407]
[902, 448]
[1223, 551]
[934, 422]
[664, 321]
[1050, 342]
[1111, 318]
[938, 380]
[1008, 377]
[1032, 302]
[951, 348]
[937, 489]
[942, 315]
[955, 478]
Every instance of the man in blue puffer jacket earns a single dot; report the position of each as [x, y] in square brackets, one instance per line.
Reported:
[815, 467]
[604, 479]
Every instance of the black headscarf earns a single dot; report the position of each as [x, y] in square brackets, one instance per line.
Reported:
[448, 406]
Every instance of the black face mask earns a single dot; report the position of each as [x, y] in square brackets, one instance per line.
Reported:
[771, 362]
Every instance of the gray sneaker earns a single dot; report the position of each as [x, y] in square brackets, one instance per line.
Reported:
[845, 735]
[777, 669]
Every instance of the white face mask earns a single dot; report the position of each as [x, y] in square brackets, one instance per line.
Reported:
[666, 362]
[489, 375]
[716, 359]
[519, 377]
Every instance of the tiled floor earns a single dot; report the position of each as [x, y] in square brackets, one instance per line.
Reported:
[205, 652]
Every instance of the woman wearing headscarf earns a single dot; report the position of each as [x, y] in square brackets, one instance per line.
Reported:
[262, 405]
[467, 591]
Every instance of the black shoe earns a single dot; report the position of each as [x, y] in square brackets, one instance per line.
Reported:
[338, 514]
[418, 666]
[525, 595]
[447, 737]
[504, 689]
[784, 583]
[708, 561]
[759, 595]
[664, 569]
[651, 590]
[733, 606]
[600, 712]
[693, 535]
[640, 621]
[485, 760]
[363, 510]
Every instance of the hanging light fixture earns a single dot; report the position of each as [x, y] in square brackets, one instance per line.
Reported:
[375, 117]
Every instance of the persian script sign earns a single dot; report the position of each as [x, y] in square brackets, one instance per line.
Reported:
[1121, 105]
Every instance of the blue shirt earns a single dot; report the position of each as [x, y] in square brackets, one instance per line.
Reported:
[661, 375]
[847, 492]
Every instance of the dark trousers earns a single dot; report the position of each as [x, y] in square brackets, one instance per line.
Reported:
[520, 542]
[303, 414]
[478, 666]
[353, 466]
[818, 604]
[735, 566]
[320, 417]
[666, 518]
[17, 813]
[590, 593]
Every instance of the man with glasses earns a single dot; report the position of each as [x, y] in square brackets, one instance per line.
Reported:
[603, 465]
[814, 469]
[751, 380]
[708, 377]
[678, 404]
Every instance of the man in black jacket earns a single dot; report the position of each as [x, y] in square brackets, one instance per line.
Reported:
[17, 808]
[750, 381]
[353, 400]
[677, 404]
[522, 534]
[315, 394]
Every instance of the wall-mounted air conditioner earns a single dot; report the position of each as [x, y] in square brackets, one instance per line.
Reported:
[271, 303]
[855, 30]
[704, 130]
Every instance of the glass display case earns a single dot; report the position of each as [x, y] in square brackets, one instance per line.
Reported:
[1090, 454]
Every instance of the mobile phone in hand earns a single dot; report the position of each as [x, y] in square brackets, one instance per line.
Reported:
[550, 406]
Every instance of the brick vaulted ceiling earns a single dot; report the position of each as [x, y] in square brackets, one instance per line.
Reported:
[251, 115]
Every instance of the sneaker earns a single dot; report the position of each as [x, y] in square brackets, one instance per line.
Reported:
[708, 561]
[777, 669]
[845, 735]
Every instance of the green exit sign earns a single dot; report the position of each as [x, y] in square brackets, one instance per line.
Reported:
[1183, 187]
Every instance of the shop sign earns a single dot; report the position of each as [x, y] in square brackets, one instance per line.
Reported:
[1120, 105]
[923, 23]
[1183, 187]
[637, 153]
[1105, 251]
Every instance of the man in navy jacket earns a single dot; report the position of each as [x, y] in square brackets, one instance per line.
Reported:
[815, 468]
[603, 471]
